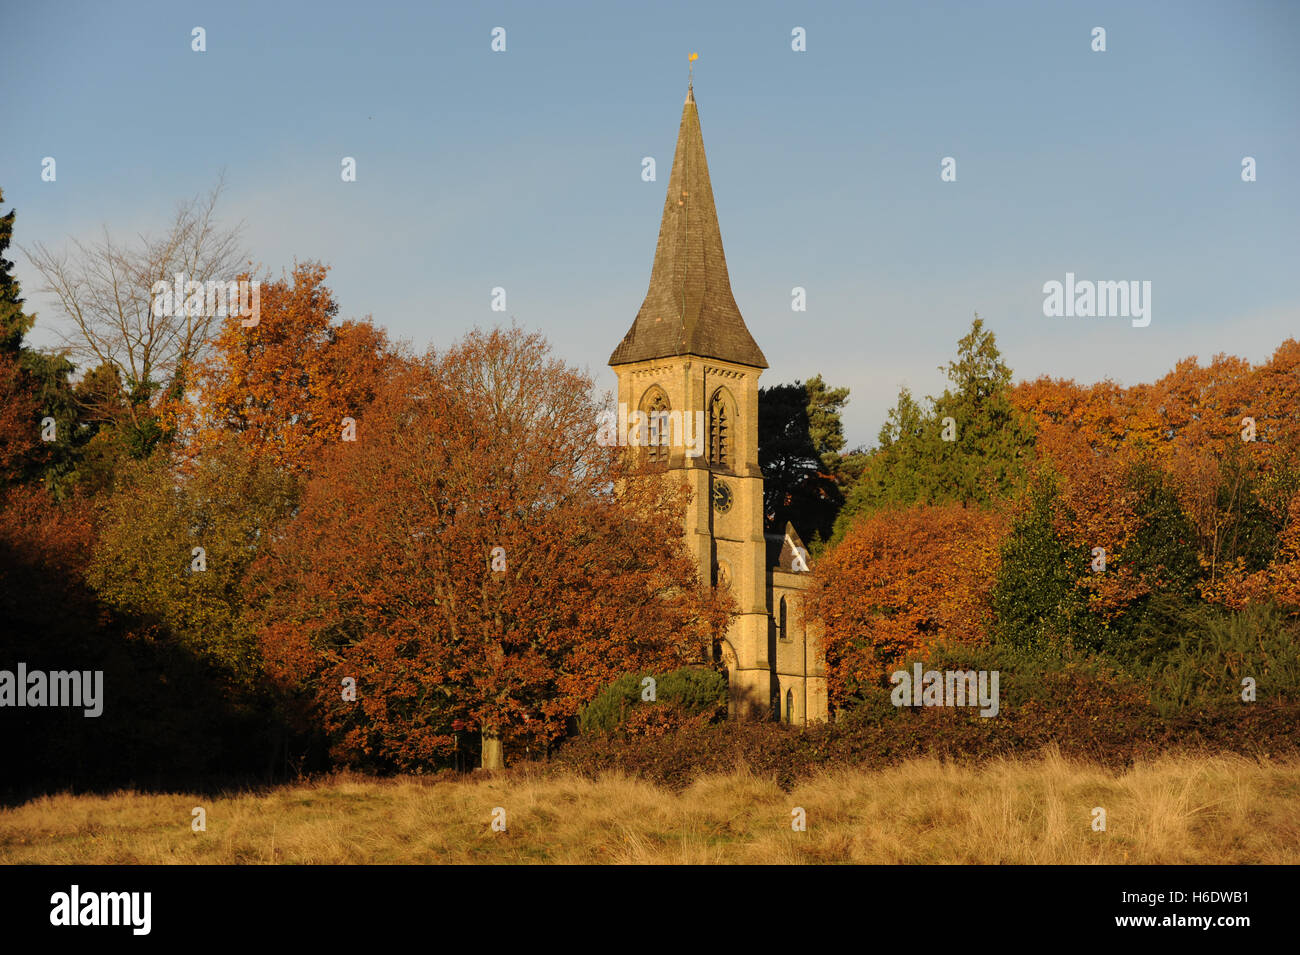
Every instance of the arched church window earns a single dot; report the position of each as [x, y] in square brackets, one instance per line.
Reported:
[789, 706]
[659, 435]
[781, 617]
[719, 431]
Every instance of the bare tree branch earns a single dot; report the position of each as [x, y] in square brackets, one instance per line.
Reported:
[103, 289]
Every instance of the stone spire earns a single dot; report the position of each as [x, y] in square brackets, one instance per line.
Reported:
[689, 308]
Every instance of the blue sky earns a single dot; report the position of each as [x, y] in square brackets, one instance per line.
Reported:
[522, 169]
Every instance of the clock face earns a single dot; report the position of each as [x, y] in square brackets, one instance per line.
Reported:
[721, 496]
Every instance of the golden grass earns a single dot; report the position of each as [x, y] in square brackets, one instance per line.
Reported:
[1178, 809]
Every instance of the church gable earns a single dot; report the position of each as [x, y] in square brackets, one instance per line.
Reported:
[786, 552]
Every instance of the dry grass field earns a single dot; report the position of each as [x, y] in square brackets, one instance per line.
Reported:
[1179, 809]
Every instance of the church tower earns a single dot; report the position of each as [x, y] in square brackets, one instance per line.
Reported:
[689, 351]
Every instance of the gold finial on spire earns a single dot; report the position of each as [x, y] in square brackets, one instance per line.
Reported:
[690, 78]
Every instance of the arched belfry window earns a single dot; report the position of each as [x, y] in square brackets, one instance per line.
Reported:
[659, 434]
[781, 626]
[721, 425]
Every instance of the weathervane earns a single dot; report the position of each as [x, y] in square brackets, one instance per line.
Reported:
[690, 72]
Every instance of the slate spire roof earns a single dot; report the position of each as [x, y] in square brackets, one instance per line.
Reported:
[689, 308]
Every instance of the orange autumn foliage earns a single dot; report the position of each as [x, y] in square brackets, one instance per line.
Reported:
[284, 386]
[1189, 424]
[902, 580]
[21, 448]
[469, 562]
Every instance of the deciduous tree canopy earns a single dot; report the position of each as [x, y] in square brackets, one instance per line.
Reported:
[476, 555]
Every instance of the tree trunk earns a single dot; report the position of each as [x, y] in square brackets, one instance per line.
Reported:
[494, 756]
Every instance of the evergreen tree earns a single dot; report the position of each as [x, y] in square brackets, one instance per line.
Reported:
[14, 322]
[1042, 596]
[1036, 601]
[968, 446]
[38, 381]
[800, 438]
[1162, 554]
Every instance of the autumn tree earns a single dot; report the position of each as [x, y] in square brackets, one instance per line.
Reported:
[20, 416]
[476, 555]
[174, 547]
[262, 405]
[284, 386]
[901, 581]
[1225, 439]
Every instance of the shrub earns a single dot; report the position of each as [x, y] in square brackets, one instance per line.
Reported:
[1197, 655]
[1080, 704]
[1113, 737]
[1182, 655]
[1060, 686]
[685, 694]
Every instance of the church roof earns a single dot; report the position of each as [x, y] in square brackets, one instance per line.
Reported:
[689, 308]
[786, 551]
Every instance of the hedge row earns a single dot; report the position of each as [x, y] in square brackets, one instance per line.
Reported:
[1114, 736]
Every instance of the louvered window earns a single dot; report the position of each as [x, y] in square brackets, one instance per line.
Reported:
[719, 432]
[657, 415]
